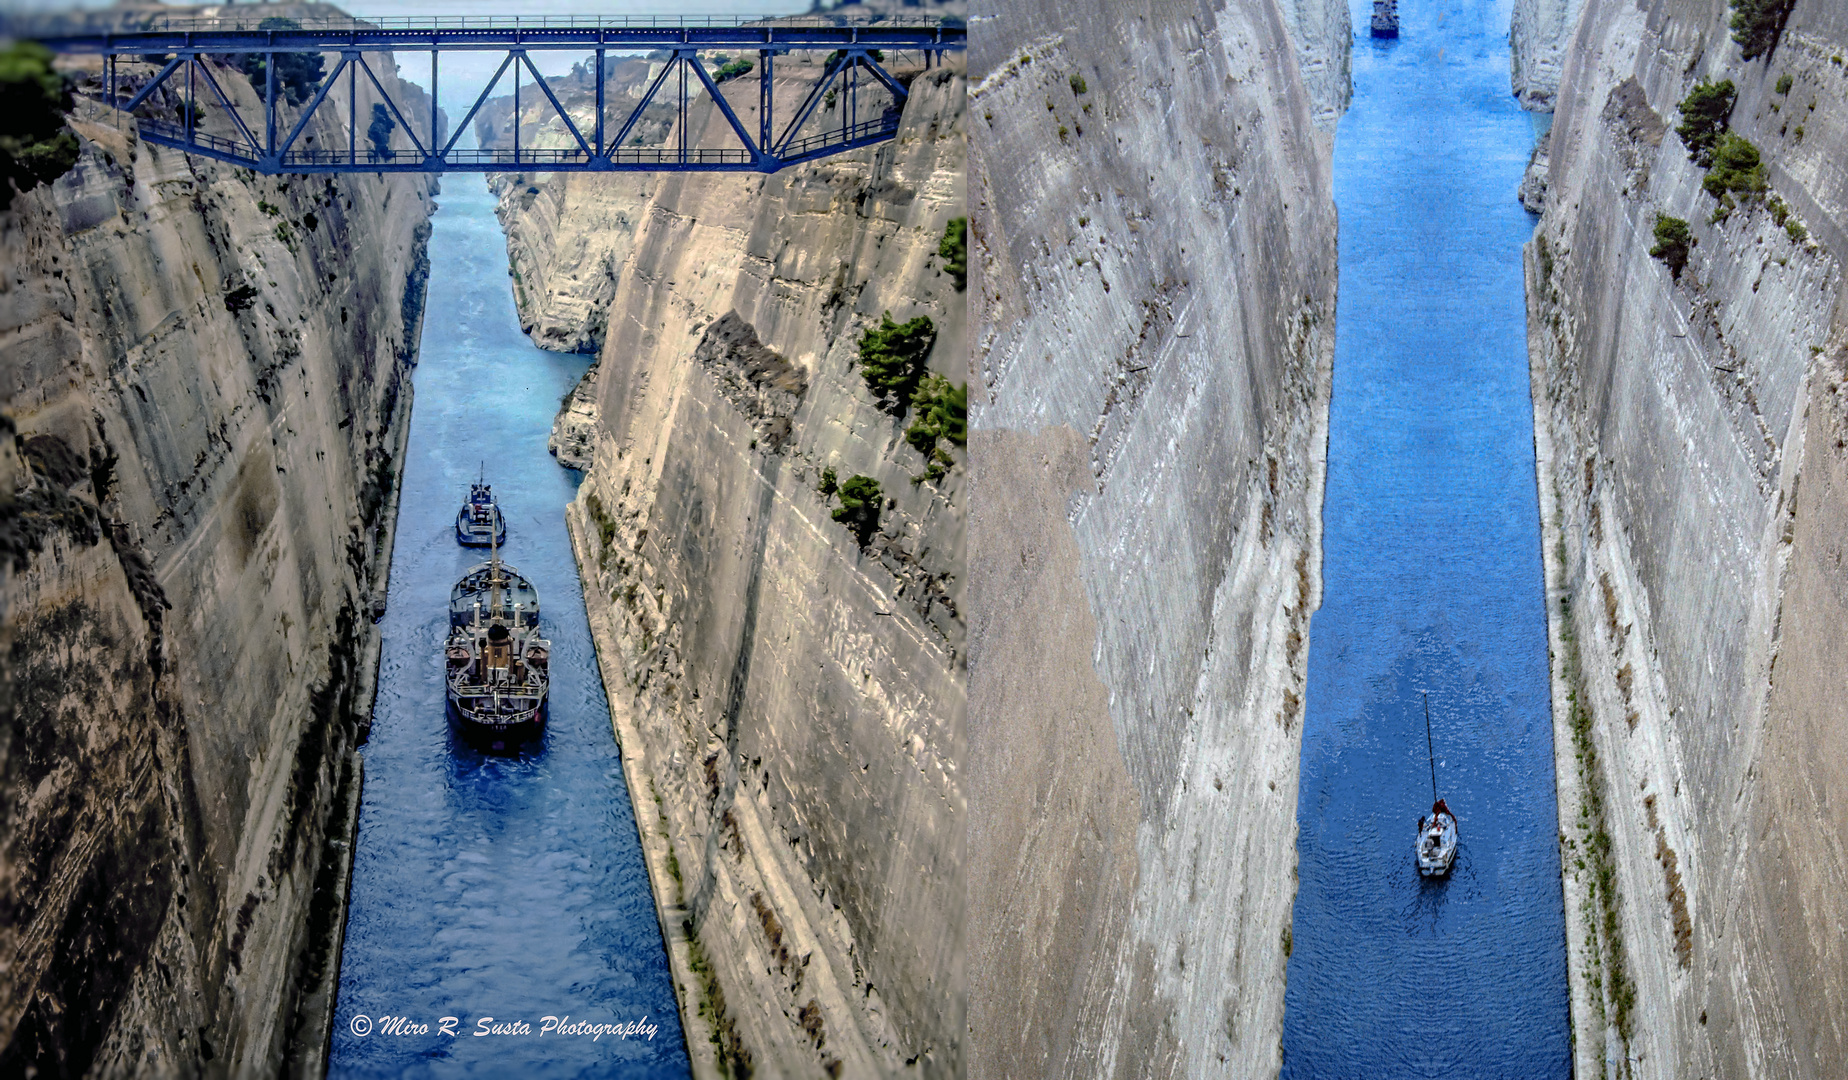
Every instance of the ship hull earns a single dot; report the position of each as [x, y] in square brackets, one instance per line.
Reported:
[495, 734]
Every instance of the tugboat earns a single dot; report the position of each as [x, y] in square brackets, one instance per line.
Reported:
[497, 665]
[1437, 831]
[1385, 18]
[479, 523]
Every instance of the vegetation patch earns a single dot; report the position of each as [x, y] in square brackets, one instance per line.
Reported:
[35, 145]
[892, 359]
[1784, 83]
[953, 249]
[1703, 119]
[1617, 990]
[1078, 84]
[941, 410]
[1757, 24]
[733, 1058]
[298, 74]
[1737, 169]
[379, 132]
[859, 508]
[830, 483]
[731, 69]
[1672, 243]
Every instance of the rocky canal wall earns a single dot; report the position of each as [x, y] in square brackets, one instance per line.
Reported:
[1693, 479]
[788, 689]
[205, 382]
[1154, 290]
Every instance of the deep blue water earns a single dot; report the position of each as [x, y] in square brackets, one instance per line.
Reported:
[510, 888]
[1433, 582]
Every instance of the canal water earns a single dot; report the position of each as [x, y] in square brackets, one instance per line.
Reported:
[1433, 584]
[502, 887]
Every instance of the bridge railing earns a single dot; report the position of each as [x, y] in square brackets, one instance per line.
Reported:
[196, 24]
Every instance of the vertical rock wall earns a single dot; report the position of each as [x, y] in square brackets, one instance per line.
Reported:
[206, 375]
[1538, 36]
[790, 702]
[1154, 298]
[1692, 478]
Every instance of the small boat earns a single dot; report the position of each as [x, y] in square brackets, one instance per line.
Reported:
[1437, 840]
[1437, 831]
[479, 523]
[1385, 18]
[497, 665]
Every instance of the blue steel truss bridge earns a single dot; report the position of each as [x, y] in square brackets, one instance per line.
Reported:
[855, 102]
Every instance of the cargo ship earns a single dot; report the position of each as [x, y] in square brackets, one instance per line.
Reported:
[497, 664]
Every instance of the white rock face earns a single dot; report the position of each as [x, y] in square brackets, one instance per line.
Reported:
[1694, 483]
[1538, 37]
[1154, 294]
[213, 367]
[1323, 32]
[790, 702]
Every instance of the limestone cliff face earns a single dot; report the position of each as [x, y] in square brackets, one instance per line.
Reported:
[1154, 296]
[206, 374]
[790, 701]
[1695, 488]
[1538, 36]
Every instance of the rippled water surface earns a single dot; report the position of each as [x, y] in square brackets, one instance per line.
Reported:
[510, 888]
[1433, 583]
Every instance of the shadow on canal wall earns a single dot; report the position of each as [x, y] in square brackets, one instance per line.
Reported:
[788, 691]
[1695, 488]
[207, 378]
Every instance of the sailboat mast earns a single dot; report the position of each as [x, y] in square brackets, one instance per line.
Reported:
[1429, 750]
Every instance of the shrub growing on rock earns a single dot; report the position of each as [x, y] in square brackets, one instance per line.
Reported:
[1703, 119]
[942, 414]
[35, 145]
[892, 359]
[1784, 83]
[859, 509]
[1737, 169]
[379, 133]
[732, 69]
[1672, 243]
[1756, 24]
[953, 249]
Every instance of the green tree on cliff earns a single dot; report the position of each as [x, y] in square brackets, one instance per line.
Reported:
[379, 134]
[298, 74]
[892, 359]
[35, 145]
[1756, 24]
[1672, 243]
[859, 509]
[1703, 119]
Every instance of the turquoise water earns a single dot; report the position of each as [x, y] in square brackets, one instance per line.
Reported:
[503, 887]
[1433, 583]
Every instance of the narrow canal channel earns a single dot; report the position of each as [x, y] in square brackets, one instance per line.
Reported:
[500, 887]
[1433, 583]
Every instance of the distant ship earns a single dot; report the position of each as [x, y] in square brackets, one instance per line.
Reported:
[1386, 18]
[479, 523]
[498, 667]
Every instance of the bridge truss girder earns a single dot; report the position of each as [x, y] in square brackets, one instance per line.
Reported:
[854, 65]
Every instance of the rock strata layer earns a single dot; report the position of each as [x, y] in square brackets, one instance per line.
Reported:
[789, 697]
[1694, 484]
[205, 384]
[1154, 289]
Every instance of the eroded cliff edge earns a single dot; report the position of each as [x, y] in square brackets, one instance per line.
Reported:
[206, 389]
[1154, 244]
[1694, 489]
[789, 700]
